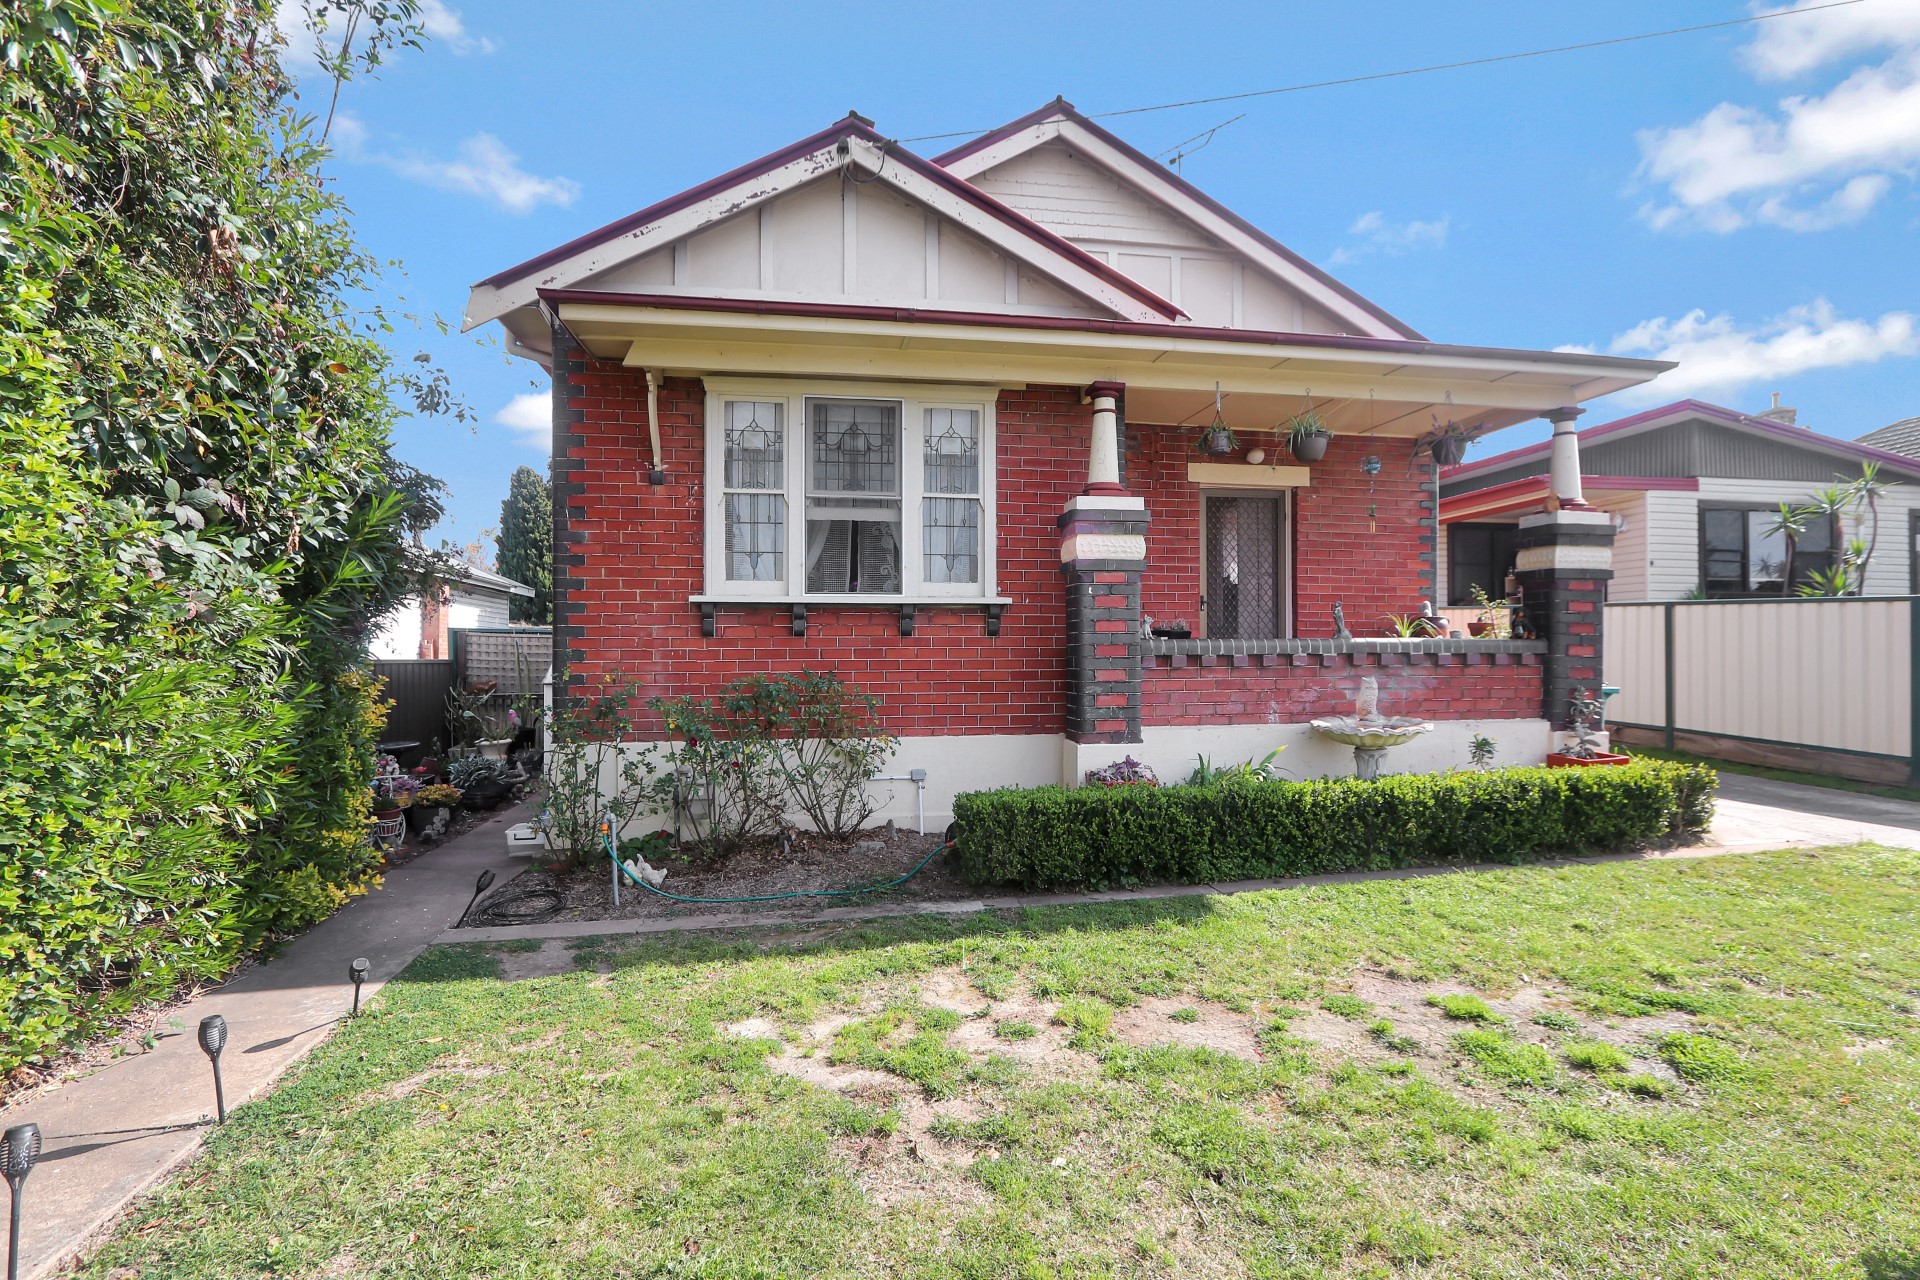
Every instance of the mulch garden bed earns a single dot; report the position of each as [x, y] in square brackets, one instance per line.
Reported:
[811, 862]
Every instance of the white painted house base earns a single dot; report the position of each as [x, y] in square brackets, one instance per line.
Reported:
[980, 762]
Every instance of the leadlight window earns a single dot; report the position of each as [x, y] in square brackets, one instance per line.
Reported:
[754, 470]
[848, 495]
[950, 509]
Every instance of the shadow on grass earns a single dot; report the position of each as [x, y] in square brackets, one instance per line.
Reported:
[1882, 1265]
[461, 962]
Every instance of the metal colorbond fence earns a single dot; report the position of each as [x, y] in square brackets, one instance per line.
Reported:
[513, 659]
[417, 687]
[1828, 674]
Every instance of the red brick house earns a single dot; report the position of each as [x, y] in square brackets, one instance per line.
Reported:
[933, 423]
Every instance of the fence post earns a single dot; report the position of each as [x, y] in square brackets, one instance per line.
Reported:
[1666, 666]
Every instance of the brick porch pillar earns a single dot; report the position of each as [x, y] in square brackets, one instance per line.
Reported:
[1103, 549]
[1564, 561]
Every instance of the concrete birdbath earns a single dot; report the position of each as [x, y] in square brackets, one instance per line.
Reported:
[1369, 733]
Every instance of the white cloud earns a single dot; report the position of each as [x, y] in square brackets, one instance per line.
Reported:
[1812, 161]
[530, 418]
[1794, 46]
[1716, 354]
[483, 167]
[1377, 235]
[445, 26]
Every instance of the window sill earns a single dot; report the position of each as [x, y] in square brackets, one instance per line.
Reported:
[870, 602]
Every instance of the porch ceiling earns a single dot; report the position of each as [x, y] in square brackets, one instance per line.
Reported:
[1387, 387]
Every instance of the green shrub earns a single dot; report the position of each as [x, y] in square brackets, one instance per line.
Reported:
[1554, 1020]
[1100, 837]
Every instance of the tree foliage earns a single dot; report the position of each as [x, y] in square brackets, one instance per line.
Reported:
[525, 545]
[199, 507]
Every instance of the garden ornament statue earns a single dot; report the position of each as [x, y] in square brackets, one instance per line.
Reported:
[1368, 732]
[1340, 631]
[1586, 712]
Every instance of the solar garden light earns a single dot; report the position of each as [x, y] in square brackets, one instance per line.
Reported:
[19, 1151]
[479, 887]
[357, 974]
[213, 1038]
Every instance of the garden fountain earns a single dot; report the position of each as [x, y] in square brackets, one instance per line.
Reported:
[1368, 732]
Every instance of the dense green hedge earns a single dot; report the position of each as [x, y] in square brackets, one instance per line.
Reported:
[200, 512]
[1100, 837]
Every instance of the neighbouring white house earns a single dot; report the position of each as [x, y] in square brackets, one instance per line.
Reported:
[457, 596]
[1694, 489]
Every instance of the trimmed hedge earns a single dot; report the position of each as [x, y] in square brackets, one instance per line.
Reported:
[1101, 837]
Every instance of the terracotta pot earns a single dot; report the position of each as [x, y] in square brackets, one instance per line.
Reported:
[1557, 761]
[387, 815]
[1312, 447]
[1479, 628]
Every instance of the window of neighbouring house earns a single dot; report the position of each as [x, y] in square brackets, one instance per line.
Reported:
[1479, 555]
[1913, 552]
[848, 496]
[1742, 553]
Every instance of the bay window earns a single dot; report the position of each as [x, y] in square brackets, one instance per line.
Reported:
[838, 493]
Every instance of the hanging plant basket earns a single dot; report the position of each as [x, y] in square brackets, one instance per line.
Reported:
[1218, 440]
[1448, 450]
[1307, 437]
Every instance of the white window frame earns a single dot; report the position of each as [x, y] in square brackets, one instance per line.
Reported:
[913, 401]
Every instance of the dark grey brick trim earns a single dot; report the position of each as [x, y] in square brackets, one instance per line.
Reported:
[1195, 648]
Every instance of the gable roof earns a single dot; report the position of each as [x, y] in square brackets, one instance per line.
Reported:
[831, 149]
[1059, 119]
[1682, 411]
[1901, 437]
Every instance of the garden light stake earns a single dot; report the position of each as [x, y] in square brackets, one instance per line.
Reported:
[213, 1038]
[357, 974]
[19, 1151]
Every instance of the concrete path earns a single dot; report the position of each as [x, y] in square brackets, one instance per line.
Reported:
[113, 1134]
[1758, 813]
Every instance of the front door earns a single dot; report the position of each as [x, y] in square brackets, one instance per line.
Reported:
[1245, 567]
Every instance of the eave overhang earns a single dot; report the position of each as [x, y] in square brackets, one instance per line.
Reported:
[1392, 387]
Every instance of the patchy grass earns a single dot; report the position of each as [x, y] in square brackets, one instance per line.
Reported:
[1466, 1009]
[712, 1107]
[1554, 1020]
[1505, 1059]
[1347, 1006]
[1597, 1055]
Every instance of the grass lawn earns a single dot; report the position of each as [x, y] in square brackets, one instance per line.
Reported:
[1677, 1068]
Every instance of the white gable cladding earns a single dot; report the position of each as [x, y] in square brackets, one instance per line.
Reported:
[1084, 202]
[836, 240]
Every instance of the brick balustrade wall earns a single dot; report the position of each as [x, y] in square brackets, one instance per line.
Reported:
[1387, 569]
[631, 555]
[1294, 688]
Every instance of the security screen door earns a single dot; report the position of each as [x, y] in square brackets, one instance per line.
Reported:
[1244, 564]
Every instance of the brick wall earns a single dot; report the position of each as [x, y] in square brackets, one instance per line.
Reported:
[1386, 569]
[632, 555]
[1294, 688]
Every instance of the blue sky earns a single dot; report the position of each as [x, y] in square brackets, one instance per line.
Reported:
[1742, 199]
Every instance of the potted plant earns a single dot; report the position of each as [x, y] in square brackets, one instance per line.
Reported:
[432, 809]
[1174, 630]
[482, 782]
[1586, 750]
[1307, 437]
[1494, 620]
[1449, 445]
[1218, 439]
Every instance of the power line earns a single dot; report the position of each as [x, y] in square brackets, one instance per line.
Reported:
[1416, 71]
